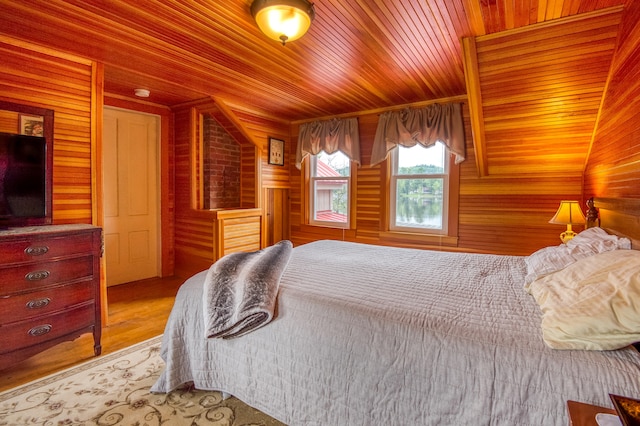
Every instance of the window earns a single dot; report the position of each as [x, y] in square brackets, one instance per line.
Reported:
[419, 189]
[330, 180]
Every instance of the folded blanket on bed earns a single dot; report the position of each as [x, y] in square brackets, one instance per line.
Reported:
[240, 290]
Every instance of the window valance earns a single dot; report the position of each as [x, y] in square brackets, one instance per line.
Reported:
[337, 134]
[426, 126]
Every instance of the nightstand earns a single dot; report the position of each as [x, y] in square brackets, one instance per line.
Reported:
[581, 414]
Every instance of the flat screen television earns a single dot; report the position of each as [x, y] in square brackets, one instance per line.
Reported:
[25, 181]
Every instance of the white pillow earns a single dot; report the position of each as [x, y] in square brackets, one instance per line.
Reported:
[546, 261]
[587, 243]
[598, 240]
[593, 303]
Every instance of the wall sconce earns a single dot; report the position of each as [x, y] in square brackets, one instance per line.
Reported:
[283, 20]
[569, 213]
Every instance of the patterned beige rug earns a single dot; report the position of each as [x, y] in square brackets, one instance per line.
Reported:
[114, 390]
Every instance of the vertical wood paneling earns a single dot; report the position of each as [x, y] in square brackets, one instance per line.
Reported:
[38, 77]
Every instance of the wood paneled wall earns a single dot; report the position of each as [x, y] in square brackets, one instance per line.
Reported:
[613, 168]
[501, 214]
[540, 88]
[505, 211]
[195, 230]
[32, 75]
[259, 128]
[194, 239]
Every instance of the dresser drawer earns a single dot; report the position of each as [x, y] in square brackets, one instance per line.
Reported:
[42, 249]
[27, 278]
[28, 305]
[32, 332]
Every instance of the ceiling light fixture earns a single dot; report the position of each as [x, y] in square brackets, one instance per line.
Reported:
[283, 20]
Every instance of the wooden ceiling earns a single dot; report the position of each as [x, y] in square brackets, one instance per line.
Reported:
[358, 55]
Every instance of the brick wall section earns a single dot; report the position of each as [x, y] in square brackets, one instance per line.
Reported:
[221, 167]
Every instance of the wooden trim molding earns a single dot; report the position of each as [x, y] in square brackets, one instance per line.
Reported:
[378, 111]
[226, 111]
[472, 78]
[195, 142]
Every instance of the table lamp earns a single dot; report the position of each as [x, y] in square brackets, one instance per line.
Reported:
[569, 213]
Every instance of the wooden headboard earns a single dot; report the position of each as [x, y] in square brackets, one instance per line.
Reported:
[620, 216]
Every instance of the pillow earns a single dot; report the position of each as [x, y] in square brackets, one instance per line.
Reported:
[598, 240]
[546, 261]
[592, 304]
[587, 243]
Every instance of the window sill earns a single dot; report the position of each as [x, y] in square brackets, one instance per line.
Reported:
[423, 239]
[331, 232]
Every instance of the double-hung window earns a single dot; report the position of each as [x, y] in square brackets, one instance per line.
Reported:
[419, 189]
[330, 184]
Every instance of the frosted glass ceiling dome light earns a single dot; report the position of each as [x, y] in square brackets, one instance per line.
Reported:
[283, 20]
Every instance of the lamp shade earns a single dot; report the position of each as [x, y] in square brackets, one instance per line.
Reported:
[283, 20]
[569, 213]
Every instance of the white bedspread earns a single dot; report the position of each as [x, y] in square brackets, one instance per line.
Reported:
[369, 335]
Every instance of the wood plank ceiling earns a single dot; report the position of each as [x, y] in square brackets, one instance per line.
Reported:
[358, 55]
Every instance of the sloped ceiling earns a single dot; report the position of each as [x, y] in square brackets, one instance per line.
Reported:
[539, 93]
[358, 55]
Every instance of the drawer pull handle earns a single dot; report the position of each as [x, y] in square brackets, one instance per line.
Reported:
[40, 330]
[38, 303]
[37, 275]
[36, 251]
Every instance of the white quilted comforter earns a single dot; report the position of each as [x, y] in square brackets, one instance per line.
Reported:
[369, 335]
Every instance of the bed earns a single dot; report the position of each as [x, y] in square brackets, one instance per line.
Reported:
[368, 335]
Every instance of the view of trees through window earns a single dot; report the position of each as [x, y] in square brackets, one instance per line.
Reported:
[420, 185]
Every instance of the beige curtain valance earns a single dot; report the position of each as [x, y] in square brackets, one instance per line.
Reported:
[337, 134]
[426, 126]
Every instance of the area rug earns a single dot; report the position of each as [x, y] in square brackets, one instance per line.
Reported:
[114, 390]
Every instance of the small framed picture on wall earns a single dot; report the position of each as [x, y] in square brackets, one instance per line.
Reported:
[276, 151]
[31, 125]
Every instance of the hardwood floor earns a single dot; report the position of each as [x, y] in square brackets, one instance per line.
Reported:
[137, 311]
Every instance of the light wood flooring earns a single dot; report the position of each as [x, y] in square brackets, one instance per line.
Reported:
[137, 311]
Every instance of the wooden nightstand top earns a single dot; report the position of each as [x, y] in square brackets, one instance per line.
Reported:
[581, 414]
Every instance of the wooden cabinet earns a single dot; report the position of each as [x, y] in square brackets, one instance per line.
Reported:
[49, 288]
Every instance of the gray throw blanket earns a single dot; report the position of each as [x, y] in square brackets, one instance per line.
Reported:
[240, 290]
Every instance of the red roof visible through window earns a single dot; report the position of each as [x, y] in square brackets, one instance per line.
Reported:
[324, 170]
[329, 216]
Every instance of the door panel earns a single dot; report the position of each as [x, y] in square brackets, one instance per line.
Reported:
[277, 215]
[131, 202]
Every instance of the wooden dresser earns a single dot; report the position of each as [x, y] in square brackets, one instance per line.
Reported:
[49, 288]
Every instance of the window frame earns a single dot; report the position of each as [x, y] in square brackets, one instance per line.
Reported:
[311, 162]
[450, 193]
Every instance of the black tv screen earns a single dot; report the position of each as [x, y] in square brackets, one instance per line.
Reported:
[23, 180]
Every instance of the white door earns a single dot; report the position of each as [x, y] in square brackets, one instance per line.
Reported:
[131, 201]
